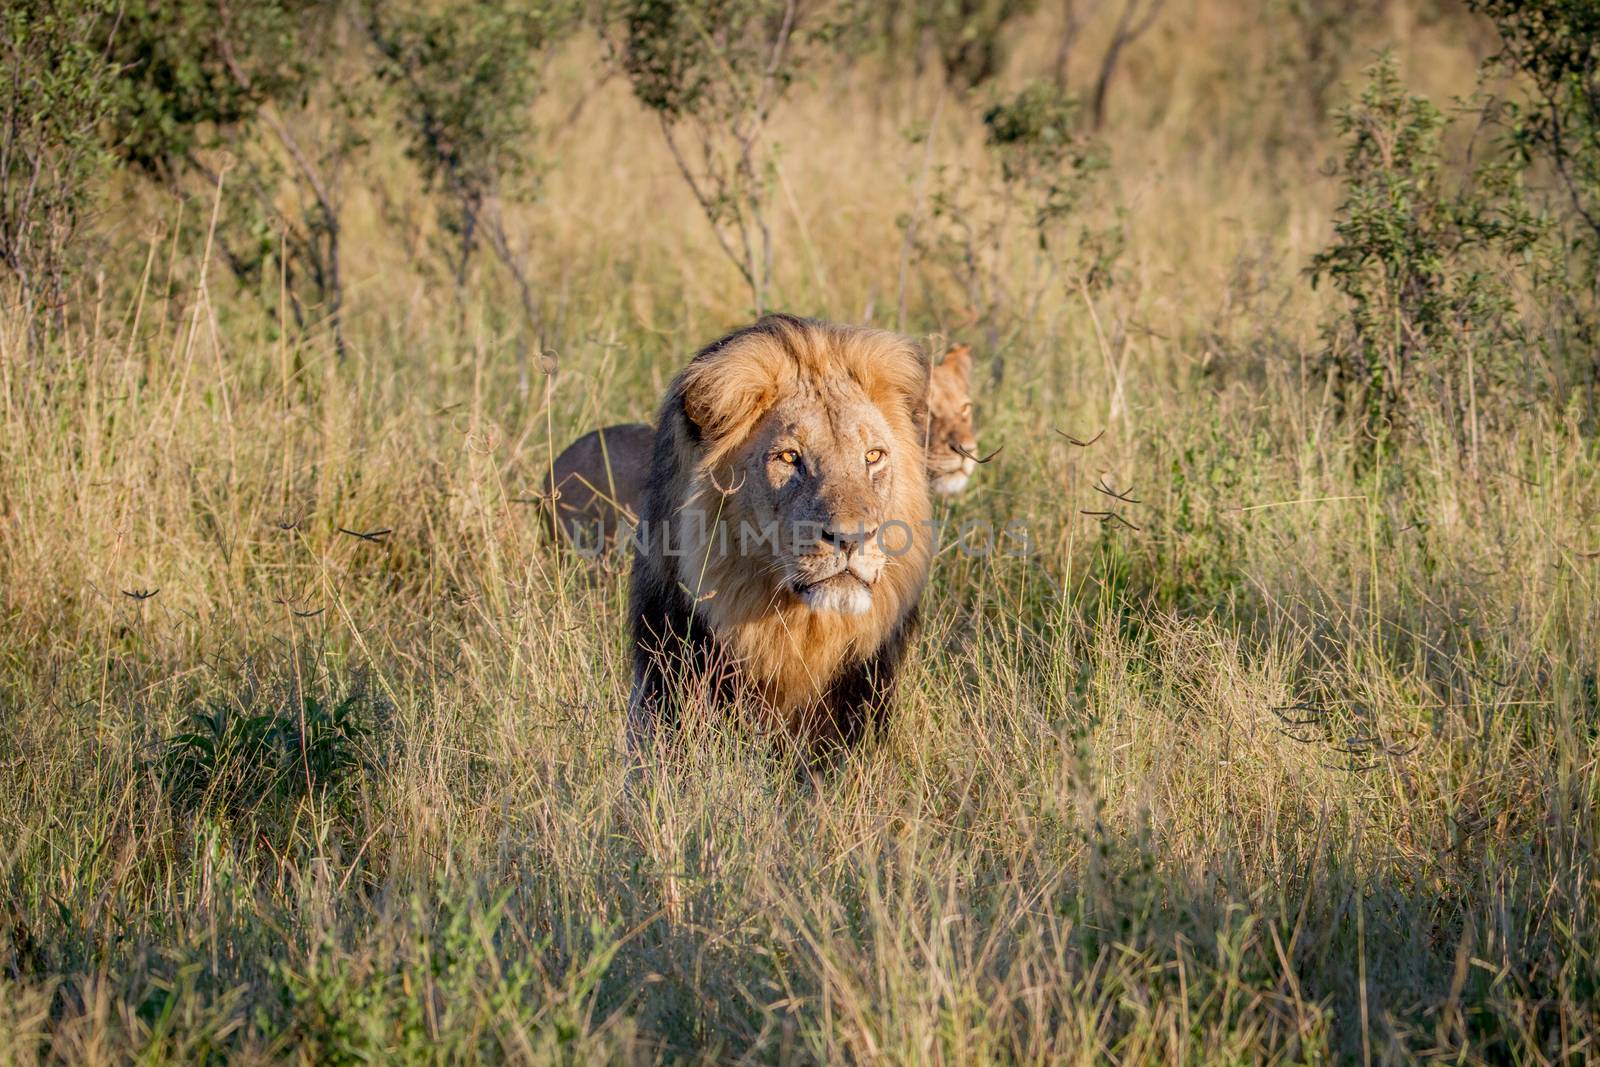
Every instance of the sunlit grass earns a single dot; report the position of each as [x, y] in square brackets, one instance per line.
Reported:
[1295, 762]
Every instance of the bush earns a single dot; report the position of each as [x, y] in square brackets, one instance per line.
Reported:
[466, 82]
[1429, 321]
[55, 96]
[1555, 44]
[244, 764]
[188, 71]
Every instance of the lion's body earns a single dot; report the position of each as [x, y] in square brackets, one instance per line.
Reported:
[786, 424]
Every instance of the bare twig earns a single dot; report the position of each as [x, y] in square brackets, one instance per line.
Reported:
[1109, 518]
[1081, 444]
[1126, 497]
[1301, 714]
[1071, 24]
[704, 200]
[958, 450]
[375, 536]
[731, 489]
[513, 264]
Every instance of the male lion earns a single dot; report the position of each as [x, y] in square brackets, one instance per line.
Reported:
[785, 538]
[595, 487]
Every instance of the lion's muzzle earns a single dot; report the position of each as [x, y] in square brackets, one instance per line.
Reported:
[836, 569]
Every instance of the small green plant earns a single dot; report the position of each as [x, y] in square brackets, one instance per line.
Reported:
[1429, 320]
[455, 980]
[236, 761]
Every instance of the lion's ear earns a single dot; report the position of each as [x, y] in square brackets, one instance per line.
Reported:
[901, 376]
[725, 391]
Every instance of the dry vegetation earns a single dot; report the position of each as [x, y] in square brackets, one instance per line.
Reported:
[1297, 763]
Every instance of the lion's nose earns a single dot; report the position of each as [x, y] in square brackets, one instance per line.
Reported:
[848, 537]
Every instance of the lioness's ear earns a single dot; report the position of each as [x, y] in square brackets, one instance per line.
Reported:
[957, 365]
[726, 389]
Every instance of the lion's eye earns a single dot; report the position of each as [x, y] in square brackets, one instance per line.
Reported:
[874, 455]
[788, 455]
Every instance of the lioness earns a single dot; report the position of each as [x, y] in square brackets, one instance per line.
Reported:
[596, 485]
[952, 448]
[784, 539]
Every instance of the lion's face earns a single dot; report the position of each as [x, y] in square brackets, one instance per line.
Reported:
[952, 445]
[820, 470]
[812, 470]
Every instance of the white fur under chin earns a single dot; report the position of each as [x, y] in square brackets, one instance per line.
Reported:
[840, 597]
[949, 484]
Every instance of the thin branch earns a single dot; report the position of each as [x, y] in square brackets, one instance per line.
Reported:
[1126, 33]
[702, 199]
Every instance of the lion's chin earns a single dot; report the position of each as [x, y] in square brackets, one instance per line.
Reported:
[949, 484]
[843, 594]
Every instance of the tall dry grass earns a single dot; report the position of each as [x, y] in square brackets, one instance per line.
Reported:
[1302, 768]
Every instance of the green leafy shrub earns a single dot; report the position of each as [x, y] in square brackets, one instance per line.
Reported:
[242, 763]
[466, 81]
[54, 97]
[1553, 131]
[1555, 45]
[191, 70]
[712, 71]
[1429, 319]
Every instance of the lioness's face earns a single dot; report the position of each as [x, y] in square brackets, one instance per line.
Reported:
[820, 470]
[952, 445]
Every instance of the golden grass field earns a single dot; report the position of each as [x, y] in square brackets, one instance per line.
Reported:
[1302, 768]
